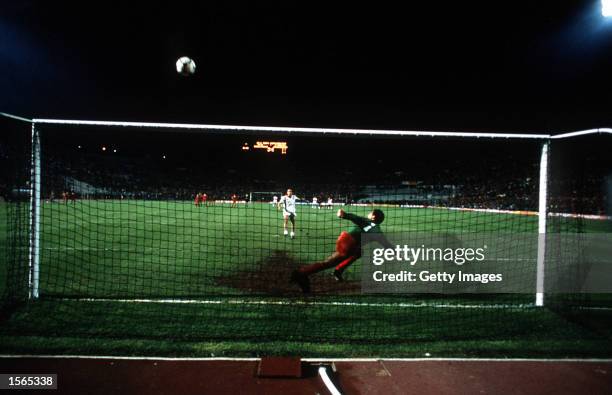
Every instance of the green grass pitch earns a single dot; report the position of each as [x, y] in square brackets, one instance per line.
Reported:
[131, 250]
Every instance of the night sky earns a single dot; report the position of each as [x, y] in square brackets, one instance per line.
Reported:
[537, 65]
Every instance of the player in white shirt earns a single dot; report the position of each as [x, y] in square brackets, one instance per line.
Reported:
[274, 200]
[288, 203]
[315, 202]
[330, 202]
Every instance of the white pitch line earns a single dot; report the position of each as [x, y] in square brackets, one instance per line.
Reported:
[383, 359]
[200, 251]
[115, 249]
[305, 303]
[313, 359]
[596, 308]
[318, 303]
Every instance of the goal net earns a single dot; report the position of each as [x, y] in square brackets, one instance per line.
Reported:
[141, 230]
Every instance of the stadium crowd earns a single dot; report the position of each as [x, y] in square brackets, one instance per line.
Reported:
[508, 185]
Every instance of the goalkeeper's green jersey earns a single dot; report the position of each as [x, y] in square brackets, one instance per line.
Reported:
[364, 225]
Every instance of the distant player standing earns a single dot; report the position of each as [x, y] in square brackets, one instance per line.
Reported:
[274, 200]
[288, 203]
[234, 200]
[204, 199]
[315, 202]
[196, 202]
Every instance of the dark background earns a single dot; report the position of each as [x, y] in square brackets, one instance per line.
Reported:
[541, 66]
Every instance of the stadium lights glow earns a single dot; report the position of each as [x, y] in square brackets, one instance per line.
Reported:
[115, 151]
[103, 148]
[79, 147]
[163, 156]
[606, 8]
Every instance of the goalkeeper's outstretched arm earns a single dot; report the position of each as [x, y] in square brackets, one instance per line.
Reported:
[365, 224]
[357, 220]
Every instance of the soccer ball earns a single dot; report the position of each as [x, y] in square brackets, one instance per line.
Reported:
[185, 66]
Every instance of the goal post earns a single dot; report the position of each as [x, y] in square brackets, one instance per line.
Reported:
[542, 215]
[35, 202]
[255, 196]
[113, 218]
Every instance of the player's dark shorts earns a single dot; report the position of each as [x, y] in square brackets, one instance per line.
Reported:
[346, 244]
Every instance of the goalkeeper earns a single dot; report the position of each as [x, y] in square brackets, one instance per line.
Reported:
[348, 247]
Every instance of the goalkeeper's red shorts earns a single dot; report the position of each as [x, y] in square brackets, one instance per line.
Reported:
[346, 244]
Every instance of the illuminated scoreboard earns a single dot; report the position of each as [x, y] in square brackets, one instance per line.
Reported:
[268, 146]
